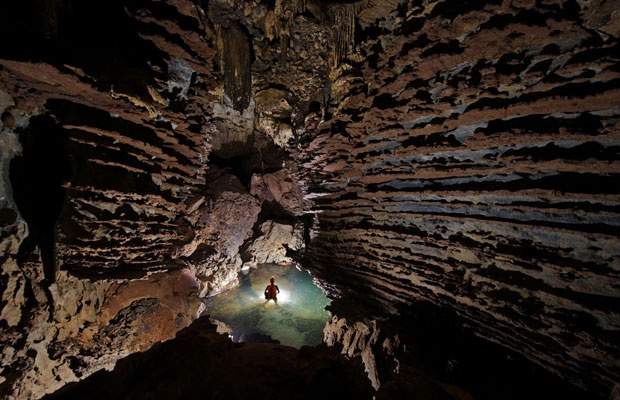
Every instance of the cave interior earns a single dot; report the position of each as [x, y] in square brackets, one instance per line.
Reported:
[447, 171]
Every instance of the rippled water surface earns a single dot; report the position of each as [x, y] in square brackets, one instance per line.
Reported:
[297, 319]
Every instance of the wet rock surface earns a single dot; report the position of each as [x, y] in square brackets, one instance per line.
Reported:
[427, 152]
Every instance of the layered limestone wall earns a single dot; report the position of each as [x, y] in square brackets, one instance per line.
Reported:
[99, 192]
[472, 161]
[128, 157]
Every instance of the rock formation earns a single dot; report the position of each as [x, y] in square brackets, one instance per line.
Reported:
[229, 371]
[471, 163]
[438, 162]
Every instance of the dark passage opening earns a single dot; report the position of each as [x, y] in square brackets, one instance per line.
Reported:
[36, 177]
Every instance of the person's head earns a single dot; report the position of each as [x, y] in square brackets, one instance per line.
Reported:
[272, 280]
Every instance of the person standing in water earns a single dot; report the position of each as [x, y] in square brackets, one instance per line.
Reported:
[272, 290]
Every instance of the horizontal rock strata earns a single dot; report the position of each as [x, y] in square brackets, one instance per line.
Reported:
[122, 198]
[472, 162]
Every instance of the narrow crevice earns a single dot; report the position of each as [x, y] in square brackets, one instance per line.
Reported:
[37, 177]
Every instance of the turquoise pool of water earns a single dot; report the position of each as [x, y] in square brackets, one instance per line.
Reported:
[297, 319]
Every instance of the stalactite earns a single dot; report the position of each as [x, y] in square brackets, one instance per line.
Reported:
[235, 64]
[282, 19]
[342, 21]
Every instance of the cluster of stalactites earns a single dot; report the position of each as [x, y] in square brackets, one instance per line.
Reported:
[342, 23]
[340, 20]
[278, 22]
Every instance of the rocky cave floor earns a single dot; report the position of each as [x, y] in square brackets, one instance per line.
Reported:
[201, 363]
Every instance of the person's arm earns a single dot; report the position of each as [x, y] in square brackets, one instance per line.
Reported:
[277, 288]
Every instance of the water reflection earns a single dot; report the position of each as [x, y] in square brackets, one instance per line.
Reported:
[297, 319]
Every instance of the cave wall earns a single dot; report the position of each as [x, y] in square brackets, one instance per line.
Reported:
[126, 180]
[462, 154]
[108, 159]
[471, 162]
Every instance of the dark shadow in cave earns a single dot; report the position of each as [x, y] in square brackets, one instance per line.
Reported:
[259, 156]
[442, 344]
[50, 31]
[239, 166]
[36, 178]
